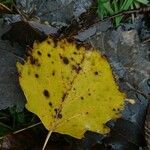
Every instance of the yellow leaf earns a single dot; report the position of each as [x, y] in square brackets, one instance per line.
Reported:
[70, 88]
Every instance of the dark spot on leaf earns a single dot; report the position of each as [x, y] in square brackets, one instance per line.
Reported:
[33, 61]
[56, 110]
[89, 94]
[52, 62]
[65, 60]
[71, 40]
[19, 74]
[96, 73]
[46, 93]
[82, 97]
[39, 53]
[114, 109]
[36, 75]
[74, 89]
[48, 42]
[78, 46]
[72, 58]
[55, 42]
[59, 116]
[38, 65]
[28, 72]
[75, 53]
[87, 113]
[50, 104]
[63, 97]
[53, 73]
[76, 68]
[48, 55]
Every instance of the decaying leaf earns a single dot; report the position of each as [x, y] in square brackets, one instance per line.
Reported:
[70, 88]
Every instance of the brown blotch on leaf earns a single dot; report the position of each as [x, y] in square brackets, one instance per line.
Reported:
[36, 75]
[59, 116]
[34, 61]
[65, 60]
[71, 40]
[46, 93]
[48, 55]
[39, 53]
[82, 97]
[96, 73]
[78, 46]
[52, 62]
[56, 110]
[38, 65]
[76, 68]
[19, 74]
[48, 42]
[50, 104]
[89, 94]
[53, 73]
[55, 42]
[87, 113]
[63, 97]
[75, 53]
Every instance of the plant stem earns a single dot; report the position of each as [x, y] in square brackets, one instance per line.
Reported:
[18, 131]
[47, 138]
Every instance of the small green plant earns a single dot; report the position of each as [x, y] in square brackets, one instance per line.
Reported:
[112, 7]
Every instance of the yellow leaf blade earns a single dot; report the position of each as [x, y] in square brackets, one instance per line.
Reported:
[71, 89]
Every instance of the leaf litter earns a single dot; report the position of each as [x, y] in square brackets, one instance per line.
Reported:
[131, 113]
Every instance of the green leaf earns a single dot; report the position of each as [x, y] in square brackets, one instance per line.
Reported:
[108, 7]
[126, 5]
[118, 20]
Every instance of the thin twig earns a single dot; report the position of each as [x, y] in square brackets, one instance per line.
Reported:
[5, 7]
[146, 41]
[18, 131]
[24, 18]
[132, 11]
[47, 138]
